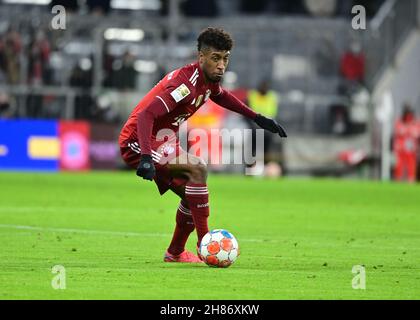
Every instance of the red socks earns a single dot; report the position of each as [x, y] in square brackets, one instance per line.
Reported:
[197, 196]
[184, 227]
[188, 216]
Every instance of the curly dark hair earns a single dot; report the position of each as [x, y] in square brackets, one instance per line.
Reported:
[214, 38]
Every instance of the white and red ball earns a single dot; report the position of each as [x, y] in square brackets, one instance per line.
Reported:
[219, 248]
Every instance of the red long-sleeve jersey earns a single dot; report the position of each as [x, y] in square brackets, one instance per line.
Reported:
[172, 101]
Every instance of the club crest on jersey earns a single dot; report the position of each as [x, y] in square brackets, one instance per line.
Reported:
[167, 150]
[180, 93]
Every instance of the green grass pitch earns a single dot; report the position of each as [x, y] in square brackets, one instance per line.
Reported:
[299, 238]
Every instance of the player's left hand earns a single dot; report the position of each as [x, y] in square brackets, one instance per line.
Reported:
[270, 125]
[146, 168]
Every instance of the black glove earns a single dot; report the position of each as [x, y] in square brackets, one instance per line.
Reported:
[146, 168]
[270, 125]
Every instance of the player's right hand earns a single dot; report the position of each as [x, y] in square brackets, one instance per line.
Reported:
[146, 168]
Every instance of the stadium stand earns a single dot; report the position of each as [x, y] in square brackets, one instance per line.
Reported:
[112, 52]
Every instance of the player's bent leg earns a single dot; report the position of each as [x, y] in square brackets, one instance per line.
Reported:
[196, 192]
[191, 167]
[183, 228]
[180, 191]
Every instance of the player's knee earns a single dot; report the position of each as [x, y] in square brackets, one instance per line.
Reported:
[198, 173]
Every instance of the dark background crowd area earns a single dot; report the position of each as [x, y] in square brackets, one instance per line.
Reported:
[214, 8]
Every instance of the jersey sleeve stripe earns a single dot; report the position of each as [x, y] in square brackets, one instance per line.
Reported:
[166, 106]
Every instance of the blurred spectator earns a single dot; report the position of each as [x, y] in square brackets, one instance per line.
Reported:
[38, 59]
[290, 6]
[34, 105]
[253, 7]
[316, 8]
[344, 8]
[38, 72]
[323, 59]
[339, 119]
[321, 8]
[353, 63]
[6, 111]
[406, 137]
[124, 75]
[3, 62]
[265, 101]
[371, 6]
[107, 62]
[269, 6]
[99, 7]
[71, 5]
[202, 8]
[164, 7]
[10, 49]
[81, 77]
[352, 68]
[105, 110]
[3, 78]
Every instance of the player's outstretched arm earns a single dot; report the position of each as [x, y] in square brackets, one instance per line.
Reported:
[230, 102]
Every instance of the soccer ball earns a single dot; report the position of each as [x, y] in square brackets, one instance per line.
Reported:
[219, 248]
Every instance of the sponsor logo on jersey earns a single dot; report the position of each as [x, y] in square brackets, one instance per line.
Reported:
[180, 93]
[203, 205]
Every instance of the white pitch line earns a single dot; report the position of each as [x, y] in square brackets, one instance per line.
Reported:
[61, 209]
[160, 235]
[102, 232]
[84, 231]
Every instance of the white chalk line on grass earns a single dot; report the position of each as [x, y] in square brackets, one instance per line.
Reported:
[162, 235]
[83, 231]
[65, 209]
[9, 209]
[103, 232]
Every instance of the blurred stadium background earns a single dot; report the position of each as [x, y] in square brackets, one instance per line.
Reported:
[65, 93]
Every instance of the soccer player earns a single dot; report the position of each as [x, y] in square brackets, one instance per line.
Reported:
[149, 143]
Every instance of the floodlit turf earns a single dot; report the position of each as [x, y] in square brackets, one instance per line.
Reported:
[299, 238]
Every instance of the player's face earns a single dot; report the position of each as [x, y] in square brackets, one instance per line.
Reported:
[214, 64]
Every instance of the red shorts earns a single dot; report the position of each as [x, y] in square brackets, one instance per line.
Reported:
[162, 153]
